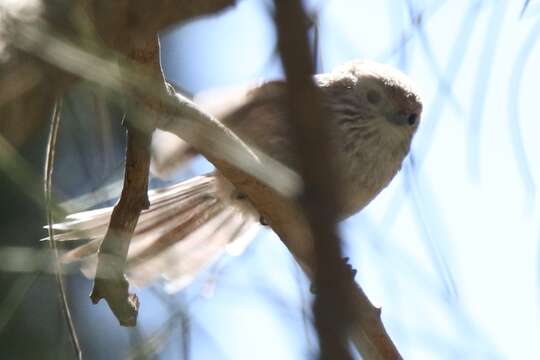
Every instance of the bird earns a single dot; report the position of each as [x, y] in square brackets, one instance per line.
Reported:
[374, 111]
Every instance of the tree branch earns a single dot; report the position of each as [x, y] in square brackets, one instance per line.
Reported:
[319, 200]
[341, 307]
[110, 282]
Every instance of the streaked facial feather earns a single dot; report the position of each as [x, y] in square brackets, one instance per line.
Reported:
[371, 143]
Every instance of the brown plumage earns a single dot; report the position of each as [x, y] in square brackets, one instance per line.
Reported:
[374, 113]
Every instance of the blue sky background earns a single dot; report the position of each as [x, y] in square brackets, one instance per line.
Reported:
[449, 249]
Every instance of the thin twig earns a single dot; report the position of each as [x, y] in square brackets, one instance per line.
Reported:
[49, 166]
[110, 282]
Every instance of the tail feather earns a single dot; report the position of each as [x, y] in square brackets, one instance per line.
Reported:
[181, 262]
[183, 255]
[238, 227]
[82, 251]
[93, 223]
[187, 226]
[153, 242]
[87, 224]
[85, 220]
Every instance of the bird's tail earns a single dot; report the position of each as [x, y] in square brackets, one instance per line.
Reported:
[186, 227]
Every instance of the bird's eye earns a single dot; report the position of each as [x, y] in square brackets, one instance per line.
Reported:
[411, 120]
[373, 96]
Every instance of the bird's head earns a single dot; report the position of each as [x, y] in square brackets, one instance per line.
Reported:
[372, 102]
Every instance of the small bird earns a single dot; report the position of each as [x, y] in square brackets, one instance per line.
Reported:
[374, 111]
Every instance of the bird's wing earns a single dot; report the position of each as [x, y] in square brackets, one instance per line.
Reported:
[262, 122]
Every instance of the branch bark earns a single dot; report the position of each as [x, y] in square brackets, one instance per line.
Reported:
[320, 200]
[341, 308]
[110, 282]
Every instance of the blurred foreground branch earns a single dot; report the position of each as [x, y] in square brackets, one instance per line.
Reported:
[55, 44]
[319, 199]
[341, 308]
